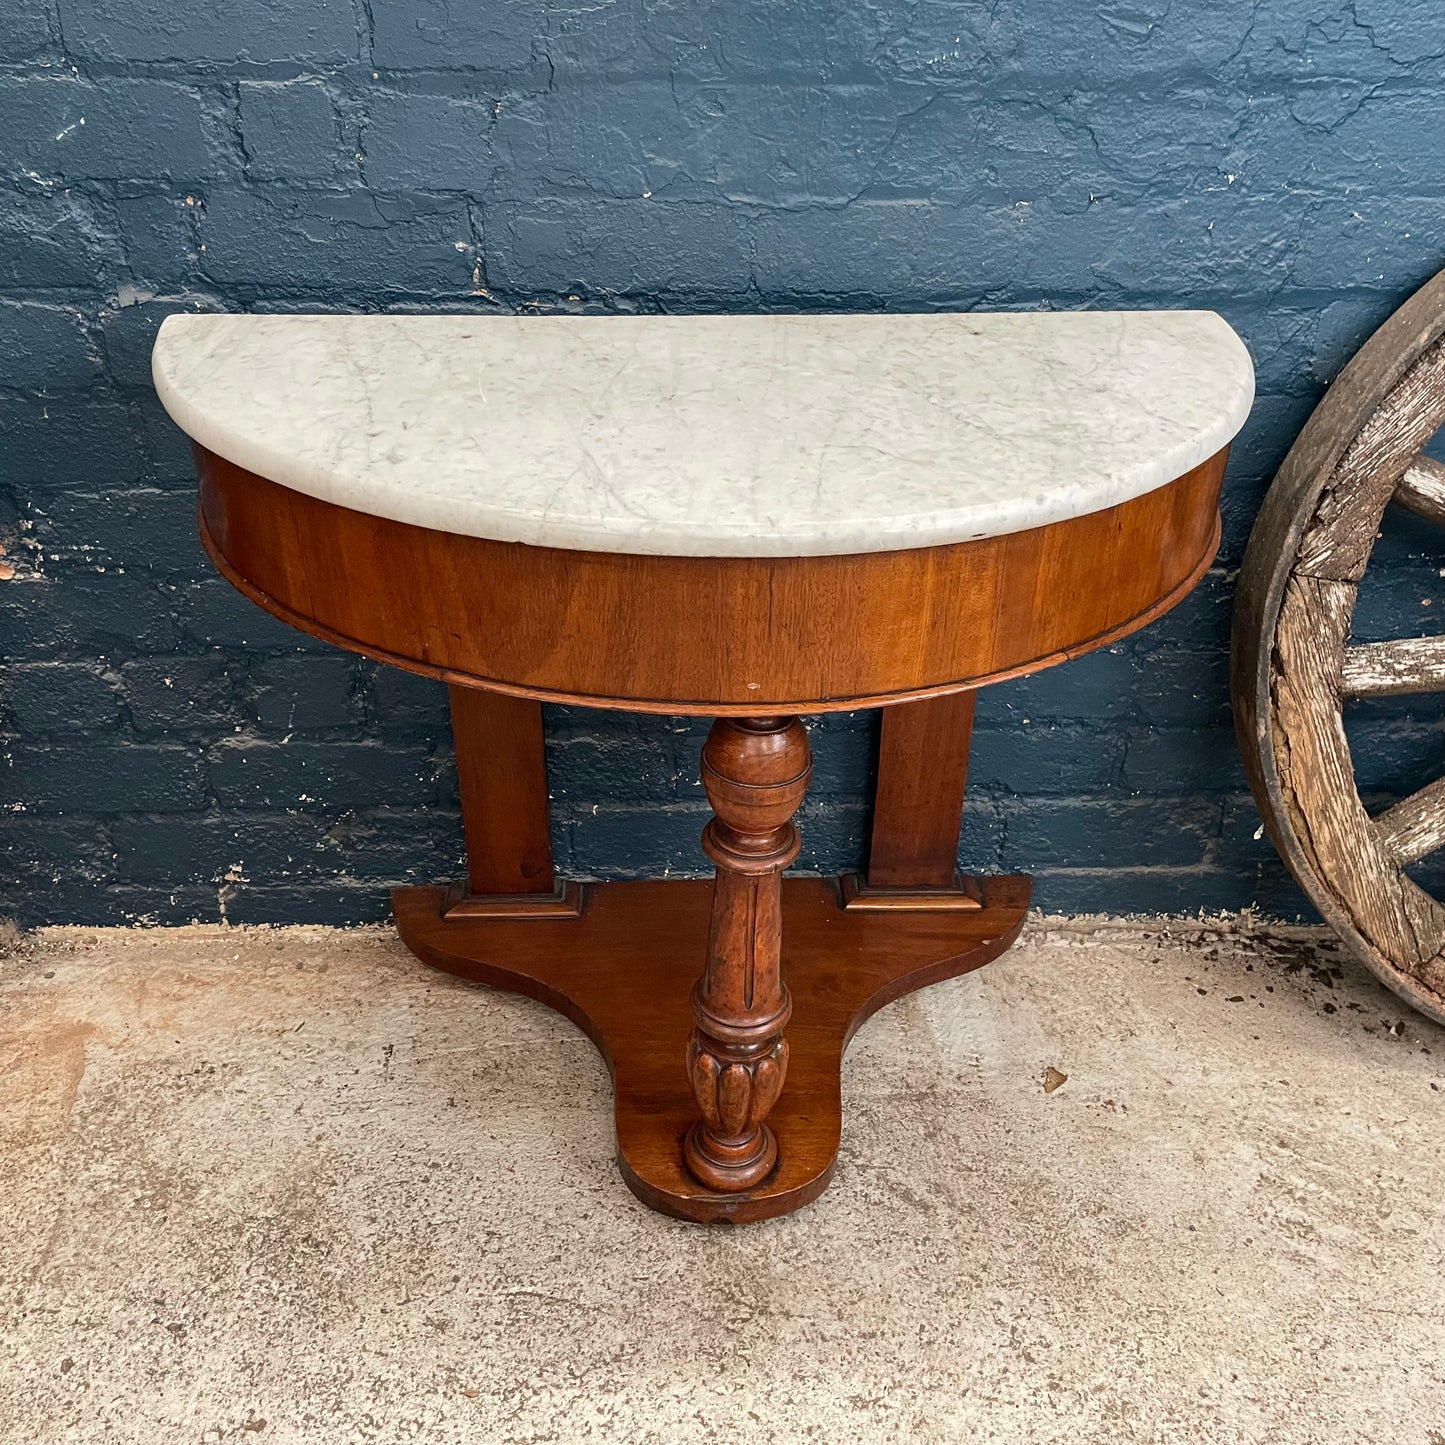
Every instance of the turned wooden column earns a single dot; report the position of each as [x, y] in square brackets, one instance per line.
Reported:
[756, 772]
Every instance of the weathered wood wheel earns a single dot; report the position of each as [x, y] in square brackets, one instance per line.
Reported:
[1293, 665]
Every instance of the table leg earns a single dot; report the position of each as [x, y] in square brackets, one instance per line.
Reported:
[624, 966]
[756, 771]
[918, 810]
[502, 778]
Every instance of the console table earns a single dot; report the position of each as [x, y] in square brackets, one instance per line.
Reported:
[749, 518]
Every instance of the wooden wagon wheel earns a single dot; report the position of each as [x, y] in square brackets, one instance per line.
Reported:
[1293, 665]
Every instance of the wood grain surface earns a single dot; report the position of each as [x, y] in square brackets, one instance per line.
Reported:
[623, 972]
[708, 635]
[756, 772]
[1293, 667]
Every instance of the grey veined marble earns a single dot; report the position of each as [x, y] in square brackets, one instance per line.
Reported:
[713, 435]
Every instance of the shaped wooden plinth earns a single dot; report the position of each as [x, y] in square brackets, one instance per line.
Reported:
[624, 970]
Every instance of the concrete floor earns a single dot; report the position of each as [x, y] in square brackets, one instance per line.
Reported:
[287, 1185]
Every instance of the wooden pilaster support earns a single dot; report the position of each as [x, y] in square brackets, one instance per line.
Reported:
[502, 776]
[918, 810]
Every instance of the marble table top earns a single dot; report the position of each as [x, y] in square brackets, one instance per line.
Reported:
[713, 435]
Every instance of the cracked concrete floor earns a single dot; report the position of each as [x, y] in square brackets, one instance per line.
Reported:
[288, 1185]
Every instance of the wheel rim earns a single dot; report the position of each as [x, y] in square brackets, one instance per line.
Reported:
[1294, 667]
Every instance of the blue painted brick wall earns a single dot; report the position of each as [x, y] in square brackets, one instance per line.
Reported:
[169, 752]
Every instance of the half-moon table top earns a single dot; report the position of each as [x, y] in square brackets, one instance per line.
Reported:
[713, 436]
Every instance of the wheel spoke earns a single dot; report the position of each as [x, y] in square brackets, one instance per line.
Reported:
[1414, 828]
[1422, 489]
[1393, 669]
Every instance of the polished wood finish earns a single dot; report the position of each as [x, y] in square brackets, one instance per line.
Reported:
[753, 641]
[918, 809]
[756, 772]
[502, 780]
[623, 972]
[564, 901]
[502, 777]
[710, 635]
[918, 806]
[960, 895]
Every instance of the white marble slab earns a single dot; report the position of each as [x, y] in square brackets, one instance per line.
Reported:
[713, 435]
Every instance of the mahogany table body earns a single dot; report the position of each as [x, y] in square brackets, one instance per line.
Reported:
[726, 1085]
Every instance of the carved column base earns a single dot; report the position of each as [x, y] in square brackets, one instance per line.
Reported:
[842, 966]
[741, 1166]
[730, 1148]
